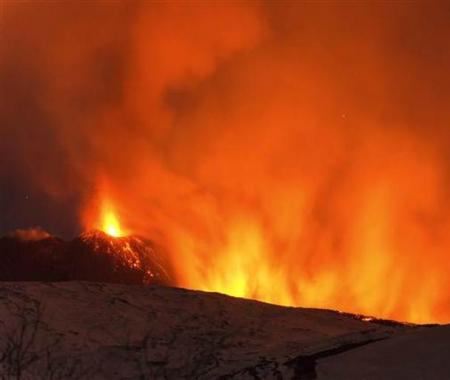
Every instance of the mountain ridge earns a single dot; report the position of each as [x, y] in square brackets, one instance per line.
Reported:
[117, 331]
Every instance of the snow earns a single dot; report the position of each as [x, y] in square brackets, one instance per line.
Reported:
[423, 354]
[115, 331]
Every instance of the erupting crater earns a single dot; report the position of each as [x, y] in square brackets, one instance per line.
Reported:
[131, 252]
[92, 256]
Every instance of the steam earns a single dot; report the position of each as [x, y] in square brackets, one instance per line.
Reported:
[31, 234]
[297, 154]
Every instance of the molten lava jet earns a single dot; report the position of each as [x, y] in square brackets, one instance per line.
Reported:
[109, 221]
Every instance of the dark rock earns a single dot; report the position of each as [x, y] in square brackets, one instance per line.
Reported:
[93, 256]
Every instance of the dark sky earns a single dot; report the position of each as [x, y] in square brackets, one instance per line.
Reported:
[53, 60]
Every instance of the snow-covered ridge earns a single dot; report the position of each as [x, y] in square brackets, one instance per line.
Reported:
[113, 331]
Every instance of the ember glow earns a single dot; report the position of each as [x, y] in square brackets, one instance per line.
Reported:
[287, 152]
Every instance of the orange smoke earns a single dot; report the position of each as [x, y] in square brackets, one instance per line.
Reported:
[291, 153]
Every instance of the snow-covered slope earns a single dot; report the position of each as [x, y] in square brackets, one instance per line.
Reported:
[112, 331]
[422, 354]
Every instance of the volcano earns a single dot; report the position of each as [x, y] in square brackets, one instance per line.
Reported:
[92, 256]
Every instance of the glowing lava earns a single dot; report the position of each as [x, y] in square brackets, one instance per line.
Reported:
[103, 214]
[111, 225]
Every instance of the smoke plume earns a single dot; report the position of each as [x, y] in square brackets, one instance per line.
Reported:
[294, 153]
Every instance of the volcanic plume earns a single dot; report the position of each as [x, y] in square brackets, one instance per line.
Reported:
[293, 153]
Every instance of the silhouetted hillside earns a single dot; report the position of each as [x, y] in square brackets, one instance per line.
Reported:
[93, 256]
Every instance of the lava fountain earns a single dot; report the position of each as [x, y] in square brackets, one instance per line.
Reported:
[109, 221]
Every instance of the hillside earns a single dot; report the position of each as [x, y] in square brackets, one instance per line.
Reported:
[113, 331]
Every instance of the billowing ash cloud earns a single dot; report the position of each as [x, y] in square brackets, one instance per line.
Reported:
[295, 153]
